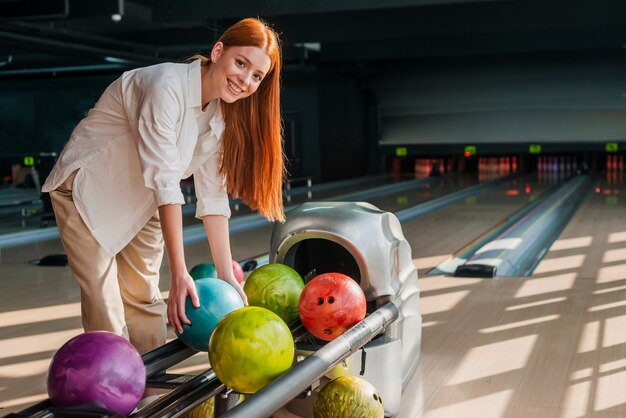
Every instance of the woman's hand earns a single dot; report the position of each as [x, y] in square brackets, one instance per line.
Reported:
[182, 285]
[181, 282]
[216, 227]
[234, 283]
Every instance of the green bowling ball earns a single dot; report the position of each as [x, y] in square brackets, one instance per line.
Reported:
[203, 271]
[348, 397]
[276, 287]
[249, 348]
[205, 410]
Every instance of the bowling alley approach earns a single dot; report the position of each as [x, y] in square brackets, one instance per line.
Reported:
[409, 209]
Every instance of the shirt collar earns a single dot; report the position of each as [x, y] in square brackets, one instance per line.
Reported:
[194, 84]
[195, 99]
[217, 120]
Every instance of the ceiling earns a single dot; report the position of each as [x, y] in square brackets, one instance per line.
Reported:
[69, 37]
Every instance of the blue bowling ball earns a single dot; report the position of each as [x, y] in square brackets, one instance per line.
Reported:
[217, 299]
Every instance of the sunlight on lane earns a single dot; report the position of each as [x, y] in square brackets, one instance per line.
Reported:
[47, 313]
[544, 285]
[534, 304]
[617, 237]
[494, 405]
[560, 264]
[430, 262]
[577, 399]
[611, 274]
[614, 331]
[492, 359]
[582, 373]
[500, 244]
[24, 369]
[441, 303]
[613, 365]
[33, 315]
[571, 243]
[519, 324]
[607, 306]
[610, 391]
[22, 346]
[612, 256]
[589, 337]
[444, 282]
[610, 290]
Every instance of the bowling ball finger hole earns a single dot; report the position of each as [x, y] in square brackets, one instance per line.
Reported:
[320, 301]
[330, 299]
[328, 331]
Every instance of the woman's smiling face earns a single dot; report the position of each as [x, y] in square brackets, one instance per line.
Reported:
[238, 70]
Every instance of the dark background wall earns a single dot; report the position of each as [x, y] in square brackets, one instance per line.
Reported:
[324, 115]
[567, 97]
[39, 115]
[300, 104]
[360, 77]
[343, 138]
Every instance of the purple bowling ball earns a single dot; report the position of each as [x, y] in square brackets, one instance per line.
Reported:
[97, 369]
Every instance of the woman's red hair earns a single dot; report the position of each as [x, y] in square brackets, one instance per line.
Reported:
[253, 149]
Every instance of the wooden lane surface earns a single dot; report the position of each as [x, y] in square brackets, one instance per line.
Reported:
[553, 345]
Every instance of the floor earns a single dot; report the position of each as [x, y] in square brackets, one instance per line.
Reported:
[552, 345]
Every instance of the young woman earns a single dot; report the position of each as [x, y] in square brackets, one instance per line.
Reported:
[116, 186]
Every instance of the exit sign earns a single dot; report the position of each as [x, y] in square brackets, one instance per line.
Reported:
[29, 161]
[611, 147]
[534, 149]
[470, 150]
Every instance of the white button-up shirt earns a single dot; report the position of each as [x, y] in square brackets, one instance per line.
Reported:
[146, 133]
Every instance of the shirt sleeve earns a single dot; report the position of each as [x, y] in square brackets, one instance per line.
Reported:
[211, 191]
[159, 110]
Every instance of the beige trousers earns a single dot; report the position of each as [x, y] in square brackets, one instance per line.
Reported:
[120, 293]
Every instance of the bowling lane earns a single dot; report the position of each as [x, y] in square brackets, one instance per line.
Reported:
[300, 194]
[255, 242]
[550, 345]
[437, 187]
[438, 235]
[593, 245]
[21, 209]
[470, 219]
[17, 207]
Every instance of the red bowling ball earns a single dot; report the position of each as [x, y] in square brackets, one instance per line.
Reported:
[330, 304]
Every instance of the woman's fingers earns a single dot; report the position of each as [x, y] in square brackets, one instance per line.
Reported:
[193, 295]
[243, 297]
[173, 317]
[181, 311]
[176, 314]
[241, 293]
[234, 283]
